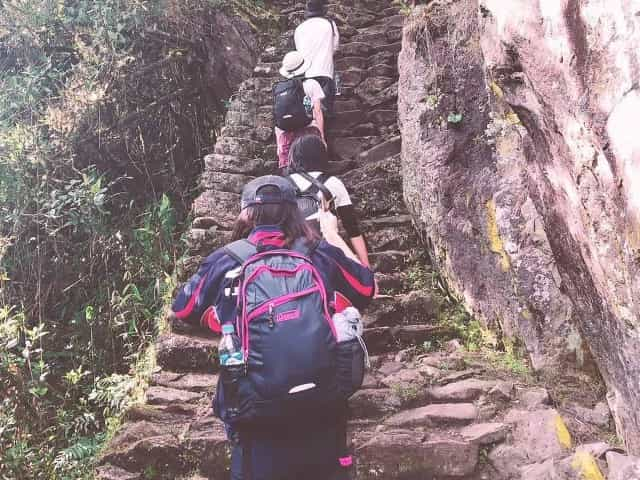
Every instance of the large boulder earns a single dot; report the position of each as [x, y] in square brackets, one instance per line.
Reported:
[408, 454]
[521, 167]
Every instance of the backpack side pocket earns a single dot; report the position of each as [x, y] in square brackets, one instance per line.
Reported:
[350, 363]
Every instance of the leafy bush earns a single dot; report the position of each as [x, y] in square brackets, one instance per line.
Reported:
[104, 114]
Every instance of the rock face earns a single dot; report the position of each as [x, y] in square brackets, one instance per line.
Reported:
[521, 168]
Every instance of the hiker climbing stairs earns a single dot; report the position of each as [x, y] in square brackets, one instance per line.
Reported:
[420, 414]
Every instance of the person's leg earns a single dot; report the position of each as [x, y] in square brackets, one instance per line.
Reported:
[329, 89]
[330, 94]
[236, 463]
[338, 473]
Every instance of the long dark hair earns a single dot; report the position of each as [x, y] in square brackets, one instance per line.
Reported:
[287, 216]
[308, 153]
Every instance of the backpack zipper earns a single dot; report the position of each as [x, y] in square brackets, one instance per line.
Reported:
[272, 322]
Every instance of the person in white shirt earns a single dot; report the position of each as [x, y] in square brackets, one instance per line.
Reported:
[295, 65]
[317, 38]
[308, 156]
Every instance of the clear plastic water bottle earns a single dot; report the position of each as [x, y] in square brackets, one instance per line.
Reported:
[338, 82]
[348, 324]
[232, 366]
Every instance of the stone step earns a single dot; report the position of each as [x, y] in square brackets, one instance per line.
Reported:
[437, 415]
[389, 261]
[344, 62]
[224, 182]
[268, 70]
[390, 11]
[407, 454]
[348, 148]
[187, 353]
[273, 54]
[359, 130]
[169, 396]
[341, 167]
[223, 207]
[200, 446]
[387, 149]
[371, 38]
[391, 283]
[384, 117]
[462, 391]
[206, 442]
[378, 90]
[388, 339]
[360, 19]
[374, 403]
[346, 105]
[173, 416]
[367, 91]
[199, 241]
[486, 433]
[111, 472]
[192, 382]
[345, 121]
[395, 21]
[352, 77]
[377, 188]
[389, 233]
[414, 308]
[236, 164]
[143, 446]
[241, 147]
[386, 221]
[384, 58]
[354, 49]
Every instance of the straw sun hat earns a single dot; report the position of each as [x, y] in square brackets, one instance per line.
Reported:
[294, 64]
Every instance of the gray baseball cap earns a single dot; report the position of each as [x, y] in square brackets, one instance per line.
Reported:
[268, 189]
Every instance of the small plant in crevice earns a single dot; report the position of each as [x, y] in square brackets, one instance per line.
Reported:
[510, 357]
[417, 277]
[407, 393]
[404, 7]
[454, 118]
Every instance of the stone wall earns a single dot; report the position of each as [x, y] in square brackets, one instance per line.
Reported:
[530, 199]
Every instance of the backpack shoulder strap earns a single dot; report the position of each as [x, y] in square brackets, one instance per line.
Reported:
[319, 184]
[241, 250]
[293, 182]
[301, 246]
[333, 28]
[323, 177]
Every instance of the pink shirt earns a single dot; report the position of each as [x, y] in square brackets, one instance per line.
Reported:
[285, 139]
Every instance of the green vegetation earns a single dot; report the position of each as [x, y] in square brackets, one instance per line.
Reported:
[105, 113]
[407, 393]
[512, 362]
[454, 118]
[503, 353]
[404, 7]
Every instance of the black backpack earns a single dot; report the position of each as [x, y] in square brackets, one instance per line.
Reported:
[288, 105]
[308, 201]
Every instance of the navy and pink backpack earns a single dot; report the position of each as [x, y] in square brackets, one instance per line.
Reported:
[294, 366]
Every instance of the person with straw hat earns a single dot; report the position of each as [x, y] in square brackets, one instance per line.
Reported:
[297, 105]
[317, 38]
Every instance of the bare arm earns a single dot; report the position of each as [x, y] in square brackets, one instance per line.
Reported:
[360, 248]
[329, 227]
[319, 117]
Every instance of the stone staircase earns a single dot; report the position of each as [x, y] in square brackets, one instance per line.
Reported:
[421, 415]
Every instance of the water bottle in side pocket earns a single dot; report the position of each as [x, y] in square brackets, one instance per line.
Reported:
[231, 365]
